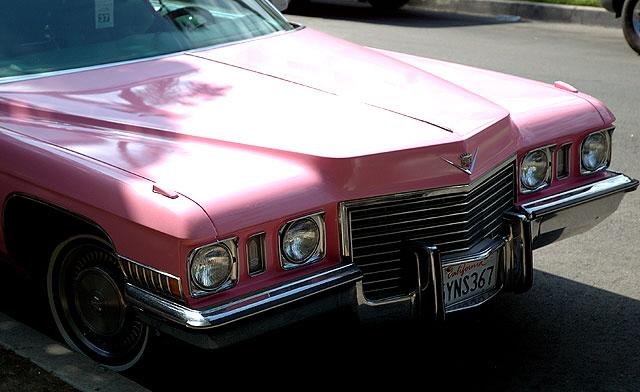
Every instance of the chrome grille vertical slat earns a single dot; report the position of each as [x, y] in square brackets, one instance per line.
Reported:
[452, 219]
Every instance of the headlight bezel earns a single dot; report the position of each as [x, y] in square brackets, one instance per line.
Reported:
[545, 181]
[287, 262]
[196, 287]
[606, 160]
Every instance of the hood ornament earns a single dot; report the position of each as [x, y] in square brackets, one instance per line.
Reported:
[467, 162]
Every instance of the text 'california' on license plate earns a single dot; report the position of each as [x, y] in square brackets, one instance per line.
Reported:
[466, 280]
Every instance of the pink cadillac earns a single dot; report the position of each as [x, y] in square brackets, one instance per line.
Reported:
[207, 169]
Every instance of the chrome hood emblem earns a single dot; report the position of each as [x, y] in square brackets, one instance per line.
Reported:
[467, 162]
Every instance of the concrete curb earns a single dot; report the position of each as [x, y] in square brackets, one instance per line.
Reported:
[71, 367]
[524, 9]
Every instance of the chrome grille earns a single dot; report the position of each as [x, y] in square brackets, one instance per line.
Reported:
[452, 219]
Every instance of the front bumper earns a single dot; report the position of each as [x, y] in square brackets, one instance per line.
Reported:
[526, 228]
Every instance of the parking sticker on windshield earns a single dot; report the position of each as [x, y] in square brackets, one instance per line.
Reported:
[104, 13]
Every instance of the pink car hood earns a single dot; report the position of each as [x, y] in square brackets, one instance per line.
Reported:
[296, 118]
[363, 75]
[303, 92]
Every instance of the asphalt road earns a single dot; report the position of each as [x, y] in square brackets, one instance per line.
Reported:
[577, 330]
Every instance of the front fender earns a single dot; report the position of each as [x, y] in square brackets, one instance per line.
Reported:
[144, 225]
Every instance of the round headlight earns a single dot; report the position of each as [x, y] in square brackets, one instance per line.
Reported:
[595, 152]
[211, 266]
[300, 240]
[534, 171]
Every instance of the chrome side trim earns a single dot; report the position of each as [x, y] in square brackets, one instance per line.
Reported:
[219, 315]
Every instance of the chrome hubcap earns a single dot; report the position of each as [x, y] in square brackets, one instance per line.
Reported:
[99, 302]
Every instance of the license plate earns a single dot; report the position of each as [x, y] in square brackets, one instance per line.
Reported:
[465, 280]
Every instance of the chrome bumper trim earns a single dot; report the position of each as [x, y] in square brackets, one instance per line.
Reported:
[575, 211]
[219, 315]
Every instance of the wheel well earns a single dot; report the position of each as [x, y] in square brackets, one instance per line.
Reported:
[33, 228]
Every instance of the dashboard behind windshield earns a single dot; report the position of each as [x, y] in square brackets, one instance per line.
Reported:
[51, 35]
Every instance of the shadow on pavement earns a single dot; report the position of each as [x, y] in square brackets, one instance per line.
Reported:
[561, 336]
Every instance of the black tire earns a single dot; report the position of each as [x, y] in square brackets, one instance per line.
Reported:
[631, 23]
[85, 288]
[387, 5]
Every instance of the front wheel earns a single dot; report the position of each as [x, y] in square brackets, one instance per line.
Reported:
[85, 288]
[631, 23]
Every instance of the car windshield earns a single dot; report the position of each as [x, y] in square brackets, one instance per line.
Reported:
[51, 35]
